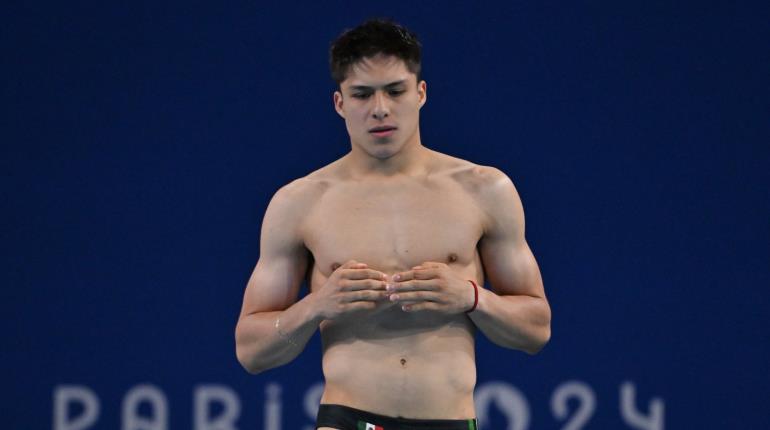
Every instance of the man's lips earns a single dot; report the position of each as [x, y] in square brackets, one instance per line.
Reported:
[382, 131]
[382, 128]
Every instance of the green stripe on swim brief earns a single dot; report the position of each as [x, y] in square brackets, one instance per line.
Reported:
[472, 425]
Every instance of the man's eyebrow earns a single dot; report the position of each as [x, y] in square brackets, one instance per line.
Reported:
[386, 86]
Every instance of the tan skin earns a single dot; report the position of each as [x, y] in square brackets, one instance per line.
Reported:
[387, 238]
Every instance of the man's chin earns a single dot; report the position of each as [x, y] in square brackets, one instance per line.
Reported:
[383, 153]
[383, 150]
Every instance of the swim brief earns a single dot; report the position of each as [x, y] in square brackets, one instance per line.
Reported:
[347, 418]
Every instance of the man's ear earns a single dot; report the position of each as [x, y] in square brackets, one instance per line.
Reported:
[338, 103]
[422, 93]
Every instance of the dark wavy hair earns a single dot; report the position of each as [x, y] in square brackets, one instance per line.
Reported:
[375, 36]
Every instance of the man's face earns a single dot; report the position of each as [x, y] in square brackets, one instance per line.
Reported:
[380, 101]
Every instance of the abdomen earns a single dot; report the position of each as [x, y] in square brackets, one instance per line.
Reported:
[425, 369]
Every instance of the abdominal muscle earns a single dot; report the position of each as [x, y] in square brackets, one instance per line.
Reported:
[411, 365]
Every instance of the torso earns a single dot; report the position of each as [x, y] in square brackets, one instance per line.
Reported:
[417, 365]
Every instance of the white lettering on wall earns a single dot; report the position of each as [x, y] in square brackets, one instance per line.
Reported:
[273, 407]
[77, 407]
[586, 404]
[633, 417]
[311, 402]
[66, 395]
[158, 419]
[204, 396]
[508, 399]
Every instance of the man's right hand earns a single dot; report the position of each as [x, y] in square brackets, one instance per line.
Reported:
[352, 287]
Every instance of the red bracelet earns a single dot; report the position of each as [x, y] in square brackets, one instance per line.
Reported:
[475, 297]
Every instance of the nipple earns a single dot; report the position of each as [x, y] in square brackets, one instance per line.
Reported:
[335, 266]
[452, 257]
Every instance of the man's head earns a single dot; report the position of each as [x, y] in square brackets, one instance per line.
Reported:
[377, 67]
[369, 39]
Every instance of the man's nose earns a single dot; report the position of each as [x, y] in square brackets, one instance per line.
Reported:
[380, 109]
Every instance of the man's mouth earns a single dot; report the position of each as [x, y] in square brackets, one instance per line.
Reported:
[382, 131]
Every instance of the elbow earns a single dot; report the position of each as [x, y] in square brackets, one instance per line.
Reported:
[542, 333]
[246, 354]
[539, 340]
[247, 362]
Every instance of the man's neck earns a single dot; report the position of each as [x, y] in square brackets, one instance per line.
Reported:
[412, 160]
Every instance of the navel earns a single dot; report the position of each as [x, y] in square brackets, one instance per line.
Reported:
[403, 362]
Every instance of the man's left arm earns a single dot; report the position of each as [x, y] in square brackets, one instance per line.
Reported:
[515, 313]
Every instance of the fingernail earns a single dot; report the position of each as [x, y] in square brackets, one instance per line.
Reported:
[390, 287]
[406, 308]
[393, 297]
[396, 277]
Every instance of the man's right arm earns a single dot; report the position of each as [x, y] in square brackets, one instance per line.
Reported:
[274, 286]
[273, 327]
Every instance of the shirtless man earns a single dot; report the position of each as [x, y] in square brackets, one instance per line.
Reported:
[393, 240]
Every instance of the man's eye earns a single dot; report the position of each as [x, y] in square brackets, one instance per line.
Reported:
[395, 92]
[361, 95]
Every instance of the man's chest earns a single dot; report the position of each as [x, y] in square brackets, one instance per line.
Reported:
[393, 227]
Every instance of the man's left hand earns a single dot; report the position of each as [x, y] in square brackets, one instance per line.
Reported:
[431, 286]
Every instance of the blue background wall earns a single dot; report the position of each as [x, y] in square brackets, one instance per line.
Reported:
[141, 144]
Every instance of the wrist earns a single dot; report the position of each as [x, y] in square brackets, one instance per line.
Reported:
[475, 302]
[315, 312]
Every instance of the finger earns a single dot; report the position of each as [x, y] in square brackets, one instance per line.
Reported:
[426, 273]
[403, 276]
[414, 285]
[361, 284]
[363, 296]
[350, 264]
[422, 273]
[415, 296]
[358, 306]
[422, 306]
[363, 274]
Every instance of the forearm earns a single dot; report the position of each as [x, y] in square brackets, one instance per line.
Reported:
[513, 321]
[260, 346]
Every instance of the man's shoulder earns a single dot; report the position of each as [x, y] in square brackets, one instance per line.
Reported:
[489, 187]
[477, 179]
[301, 191]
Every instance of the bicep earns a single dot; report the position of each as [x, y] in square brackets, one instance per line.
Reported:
[275, 282]
[508, 261]
[511, 267]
